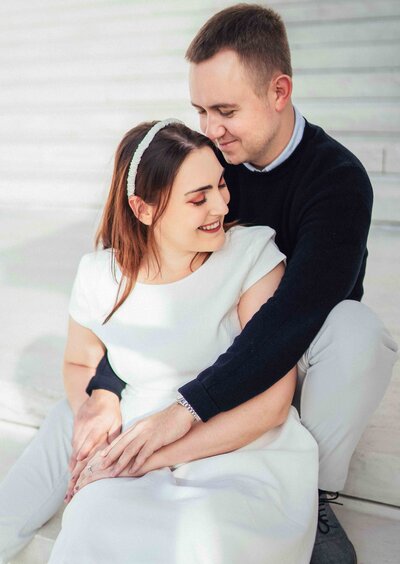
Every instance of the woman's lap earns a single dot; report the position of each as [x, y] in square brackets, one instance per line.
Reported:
[224, 506]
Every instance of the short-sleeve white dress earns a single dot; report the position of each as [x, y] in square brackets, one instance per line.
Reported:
[256, 505]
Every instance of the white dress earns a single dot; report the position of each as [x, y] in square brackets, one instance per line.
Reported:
[256, 505]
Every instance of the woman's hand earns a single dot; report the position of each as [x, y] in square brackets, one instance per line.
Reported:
[80, 467]
[97, 423]
[92, 471]
[131, 449]
[85, 472]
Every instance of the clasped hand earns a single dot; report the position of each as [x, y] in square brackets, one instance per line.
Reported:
[130, 454]
[96, 425]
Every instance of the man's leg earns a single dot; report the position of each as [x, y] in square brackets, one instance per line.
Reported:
[34, 488]
[347, 370]
[343, 377]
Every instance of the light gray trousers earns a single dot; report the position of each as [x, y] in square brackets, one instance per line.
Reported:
[342, 378]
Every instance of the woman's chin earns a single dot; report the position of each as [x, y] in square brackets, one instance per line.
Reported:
[216, 243]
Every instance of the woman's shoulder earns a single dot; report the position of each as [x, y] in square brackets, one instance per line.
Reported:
[96, 259]
[241, 236]
[96, 264]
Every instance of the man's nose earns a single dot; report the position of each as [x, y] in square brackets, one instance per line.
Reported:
[213, 128]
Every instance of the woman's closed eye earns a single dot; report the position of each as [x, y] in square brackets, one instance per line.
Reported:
[202, 198]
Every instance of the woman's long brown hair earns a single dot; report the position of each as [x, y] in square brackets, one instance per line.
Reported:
[119, 230]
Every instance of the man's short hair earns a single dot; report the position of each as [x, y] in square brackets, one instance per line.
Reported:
[255, 33]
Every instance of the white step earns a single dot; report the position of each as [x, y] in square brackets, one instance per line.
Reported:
[47, 13]
[137, 89]
[305, 59]
[84, 184]
[386, 198]
[370, 30]
[175, 33]
[79, 121]
[349, 56]
[379, 155]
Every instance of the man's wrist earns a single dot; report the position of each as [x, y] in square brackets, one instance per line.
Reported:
[180, 400]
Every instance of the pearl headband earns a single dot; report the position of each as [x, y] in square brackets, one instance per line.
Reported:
[147, 139]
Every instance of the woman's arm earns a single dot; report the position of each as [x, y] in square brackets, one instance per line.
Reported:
[97, 419]
[83, 353]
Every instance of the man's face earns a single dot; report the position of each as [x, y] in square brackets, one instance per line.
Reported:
[242, 123]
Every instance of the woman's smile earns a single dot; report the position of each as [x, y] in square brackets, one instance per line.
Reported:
[211, 227]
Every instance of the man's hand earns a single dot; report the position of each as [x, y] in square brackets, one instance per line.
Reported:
[97, 422]
[132, 448]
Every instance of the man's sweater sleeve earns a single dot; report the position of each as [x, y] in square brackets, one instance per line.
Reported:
[322, 271]
[105, 379]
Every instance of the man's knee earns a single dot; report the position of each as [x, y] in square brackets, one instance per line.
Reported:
[353, 327]
[353, 345]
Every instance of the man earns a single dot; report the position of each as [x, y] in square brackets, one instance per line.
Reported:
[286, 173]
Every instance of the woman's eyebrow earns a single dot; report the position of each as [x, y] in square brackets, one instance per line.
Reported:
[208, 187]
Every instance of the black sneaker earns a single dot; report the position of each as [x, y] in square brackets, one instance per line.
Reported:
[332, 545]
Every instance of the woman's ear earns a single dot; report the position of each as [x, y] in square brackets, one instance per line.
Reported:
[143, 211]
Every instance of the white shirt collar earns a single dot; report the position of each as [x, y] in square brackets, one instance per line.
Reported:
[297, 135]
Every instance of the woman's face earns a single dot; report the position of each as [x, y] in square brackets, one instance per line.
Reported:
[193, 219]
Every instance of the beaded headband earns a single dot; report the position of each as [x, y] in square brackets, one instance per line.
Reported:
[147, 139]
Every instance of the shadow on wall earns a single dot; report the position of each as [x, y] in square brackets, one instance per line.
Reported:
[36, 383]
[36, 279]
[47, 262]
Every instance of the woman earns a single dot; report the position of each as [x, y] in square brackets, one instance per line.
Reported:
[167, 294]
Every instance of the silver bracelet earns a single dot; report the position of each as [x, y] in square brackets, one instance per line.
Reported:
[181, 401]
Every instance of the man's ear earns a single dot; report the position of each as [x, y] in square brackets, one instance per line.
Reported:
[281, 87]
[143, 212]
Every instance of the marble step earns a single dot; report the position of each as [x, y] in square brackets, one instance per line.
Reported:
[88, 188]
[136, 89]
[71, 15]
[386, 198]
[379, 155]
[75, 121]
[292, 12]
[121, 35]
[304, 60]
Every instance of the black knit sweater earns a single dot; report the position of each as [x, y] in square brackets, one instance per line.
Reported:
[319, 202]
